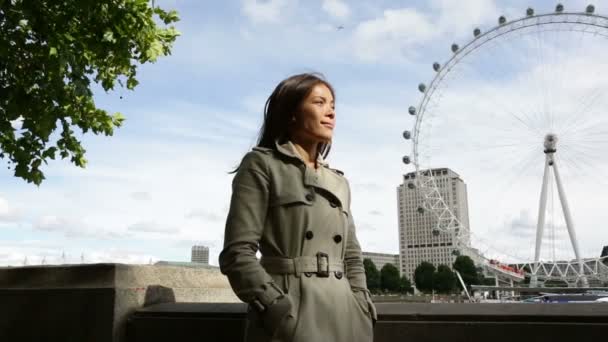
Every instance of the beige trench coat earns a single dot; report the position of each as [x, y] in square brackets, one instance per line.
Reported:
[309, 285]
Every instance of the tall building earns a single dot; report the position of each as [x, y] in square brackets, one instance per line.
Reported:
[200, 254]
[381, 259]
[417, 243]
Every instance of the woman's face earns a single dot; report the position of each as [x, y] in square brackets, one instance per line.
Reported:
[316, 119]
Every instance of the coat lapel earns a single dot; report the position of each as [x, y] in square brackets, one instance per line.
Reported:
[323, 178]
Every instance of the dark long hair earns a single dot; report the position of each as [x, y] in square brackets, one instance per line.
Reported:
[283, 104]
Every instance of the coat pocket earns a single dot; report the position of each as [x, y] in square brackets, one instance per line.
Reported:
[274, 318]
[361, 301]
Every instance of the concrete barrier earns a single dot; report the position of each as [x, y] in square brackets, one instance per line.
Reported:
[91, 302]
[397, 322]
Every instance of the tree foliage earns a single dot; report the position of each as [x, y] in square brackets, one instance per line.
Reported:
[556, 283]
[423, 277]
[372, 275]
[389, 278]
[466, 267]
[50, 52]
[405, 285]
[444, 280]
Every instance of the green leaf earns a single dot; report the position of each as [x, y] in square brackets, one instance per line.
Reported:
[132, 83]
[118, 119]
[170, 17]
[52, 51]
[155, 50]
[109, 37]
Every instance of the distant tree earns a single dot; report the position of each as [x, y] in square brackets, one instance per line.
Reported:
[466, 267]
[405, 285]
[389, 278]
[444, 280]
[423, 277]
[487, 281]
[372, 275]
[556, 283]
[50, 53]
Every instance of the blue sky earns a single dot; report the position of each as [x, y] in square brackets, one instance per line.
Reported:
[160, 184]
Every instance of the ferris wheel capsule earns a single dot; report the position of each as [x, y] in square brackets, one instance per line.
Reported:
[422, 87]
[407, 135]
[420, 210]
[590, 9]
[530, 11]
[502, 20]
[406, 160]
[412, 110]
[436, 232]
[455, 48]
[411, 185]
[559, 8]
[476, 32]
[436, 66]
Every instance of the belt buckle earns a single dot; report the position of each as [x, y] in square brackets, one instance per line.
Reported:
[322, 265]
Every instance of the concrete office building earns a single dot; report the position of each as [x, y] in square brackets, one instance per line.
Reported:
[200, 254]
[417, 243]
[381, 259]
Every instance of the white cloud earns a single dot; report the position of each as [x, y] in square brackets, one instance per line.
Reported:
[336, 8]
[269, 11]
[7, 212]
[140, 196]
[38, 252]
[204, 214]
[399, 34]
[460, 18]
[75, 227]
[152, 227]
[387, 36]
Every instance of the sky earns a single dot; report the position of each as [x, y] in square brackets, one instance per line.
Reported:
[161, 183]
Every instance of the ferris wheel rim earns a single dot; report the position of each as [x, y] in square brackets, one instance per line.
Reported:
[443, 70]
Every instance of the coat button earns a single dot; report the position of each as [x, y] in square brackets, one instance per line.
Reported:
[308, 274]
[338, 274]
[333, 204]
[337, 238]
[309, 235]
[310, 197]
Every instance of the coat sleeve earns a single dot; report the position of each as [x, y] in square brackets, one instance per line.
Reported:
[243, 231]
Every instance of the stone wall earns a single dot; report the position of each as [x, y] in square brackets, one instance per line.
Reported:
[397, 322]
[92, 302]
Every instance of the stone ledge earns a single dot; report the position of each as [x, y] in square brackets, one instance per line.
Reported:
[397, 322]
[93, 301]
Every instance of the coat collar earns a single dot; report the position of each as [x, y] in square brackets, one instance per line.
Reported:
[288, 149]
[324, 179]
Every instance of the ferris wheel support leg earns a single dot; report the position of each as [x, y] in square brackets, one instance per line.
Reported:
[541, 223]
[570, 225]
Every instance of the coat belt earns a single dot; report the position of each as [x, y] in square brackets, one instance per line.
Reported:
[321, 264]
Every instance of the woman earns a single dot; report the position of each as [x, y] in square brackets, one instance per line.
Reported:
[309, 285]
